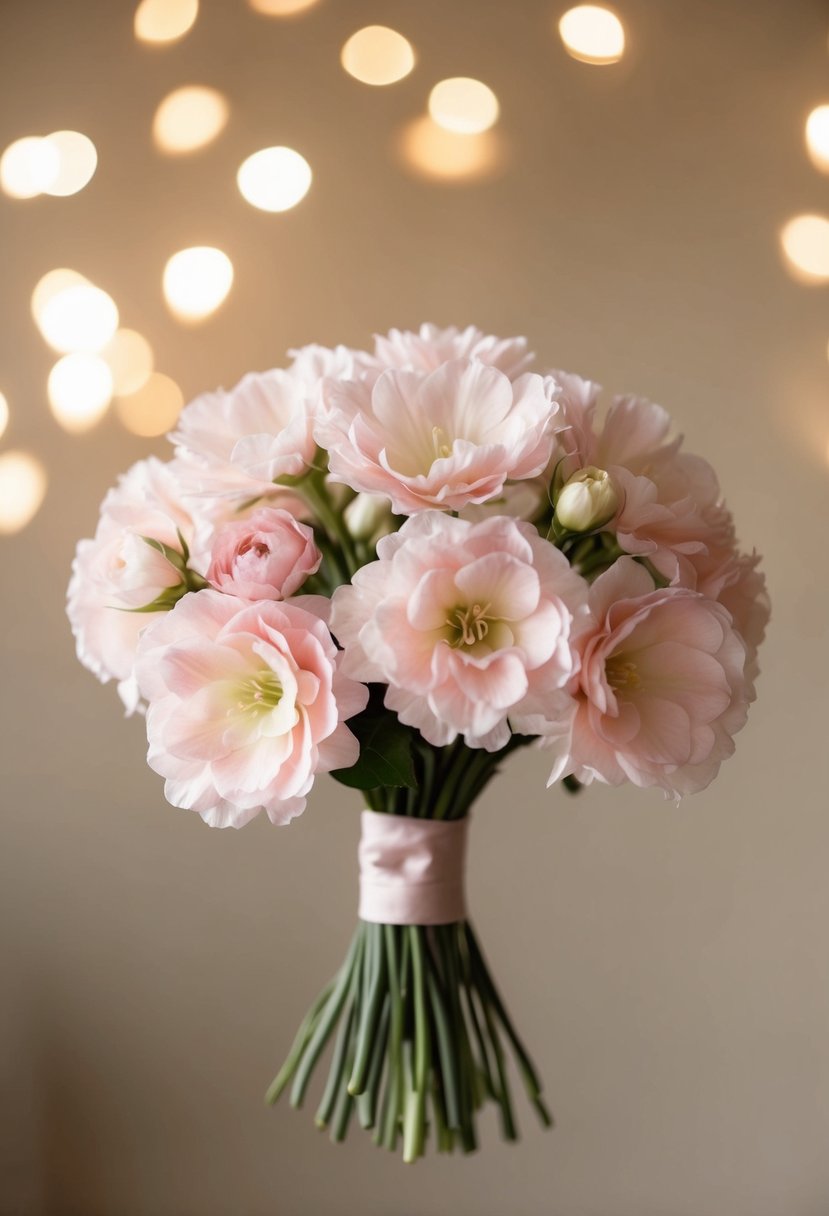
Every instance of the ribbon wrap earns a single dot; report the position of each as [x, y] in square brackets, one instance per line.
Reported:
[411, 870]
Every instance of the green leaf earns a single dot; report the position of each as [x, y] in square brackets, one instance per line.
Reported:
[176, 559]
[385, 749]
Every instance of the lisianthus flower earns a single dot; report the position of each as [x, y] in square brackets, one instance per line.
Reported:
[437, 439]
[269, 555]
[246, 703]
[117, 571]
[471, 625]
[725, 574]
[430, 346]
[663, 492]
[662, 687]
[237, 442]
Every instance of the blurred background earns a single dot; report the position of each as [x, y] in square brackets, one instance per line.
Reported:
[189, 189]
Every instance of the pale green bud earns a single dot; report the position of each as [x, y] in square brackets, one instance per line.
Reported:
[587, 501]
[368, 516]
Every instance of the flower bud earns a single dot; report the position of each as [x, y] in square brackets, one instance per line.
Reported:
[587, 501]
[368, 516]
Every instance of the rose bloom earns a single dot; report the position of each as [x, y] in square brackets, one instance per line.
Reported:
[444, 438]
[269, 555]
[429, 347]
[246, 703]
[470, 624]
[662, 688]
[118, 571]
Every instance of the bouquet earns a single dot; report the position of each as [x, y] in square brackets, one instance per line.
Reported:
[398, 566]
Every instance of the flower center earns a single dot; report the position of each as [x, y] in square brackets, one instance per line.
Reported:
[440, 443]
[468, 626]
[259, 694]
[622, 675]
[257, 547]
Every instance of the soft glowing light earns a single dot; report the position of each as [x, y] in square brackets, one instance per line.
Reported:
[22, 489]
[444, 156]
[282, 8]
[4, 415]
[196, 281]
[77, 162]
[805, 242]
[79, 389]
[52, 284]
[153, 409]
[80, 317]
[463, 105]
[189, 118]
[274, 179]
[129, 357]
[377, 55]
[817, 137]
[593, 34]
[164, 20]
[28, 167]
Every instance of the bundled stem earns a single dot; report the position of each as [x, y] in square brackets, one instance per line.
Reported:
[420, 1032]
[419, 1028]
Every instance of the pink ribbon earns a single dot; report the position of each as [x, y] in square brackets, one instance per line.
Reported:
[411, 870]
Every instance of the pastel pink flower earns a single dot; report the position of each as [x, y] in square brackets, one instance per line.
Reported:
[269, 555]
[444, 438]
[725, 574]
[664, 493]
[471, 625]
[118, 571]
[662, 688]
[246, 703]
[237, 442]
[426, 349]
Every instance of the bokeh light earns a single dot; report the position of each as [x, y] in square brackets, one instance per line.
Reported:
[282, 8]
[77, 162]
[164, 20]
[377, 55]
[463, 105]
[440, 155]
[129, 357]
[4, 414]
[153, 409]
[592, 34]
[274, 179]
[189, 118]
[79, 391]
[52, 283]
[80, 317]
[817, 137]
[196, 282]
[22, 489]
[805, 243]
[28, 167]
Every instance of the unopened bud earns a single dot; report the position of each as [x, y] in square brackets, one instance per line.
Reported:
[368, 516]
[587, 501]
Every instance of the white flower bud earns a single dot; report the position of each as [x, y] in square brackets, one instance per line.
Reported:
[368, 515]
[587, 501]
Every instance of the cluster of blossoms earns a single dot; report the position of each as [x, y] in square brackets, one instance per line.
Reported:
[434, 518]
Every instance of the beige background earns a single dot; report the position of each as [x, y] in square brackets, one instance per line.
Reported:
[669, 967]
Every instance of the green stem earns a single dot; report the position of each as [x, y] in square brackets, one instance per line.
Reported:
[300, 1042]
[326, 1024]
[414, 1115]
[371, 1008]
[312, 488]
[343, 1048]
[367, 1101]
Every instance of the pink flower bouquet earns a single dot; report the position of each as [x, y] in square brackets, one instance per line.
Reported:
[399, 566]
